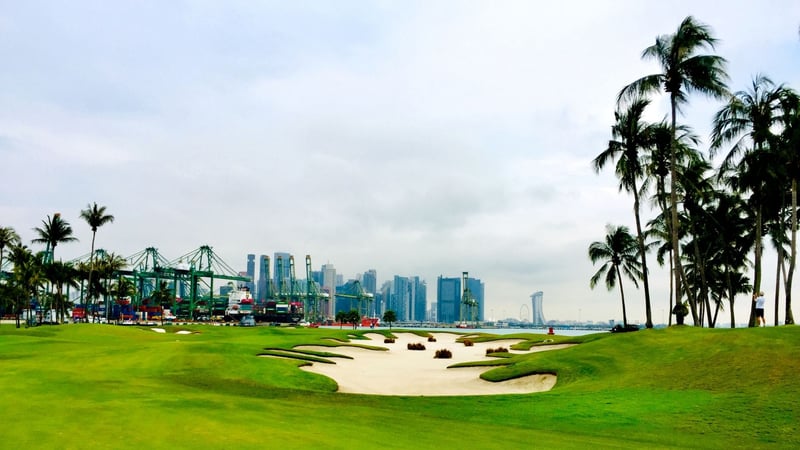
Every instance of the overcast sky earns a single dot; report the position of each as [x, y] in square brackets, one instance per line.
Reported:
[412, 137]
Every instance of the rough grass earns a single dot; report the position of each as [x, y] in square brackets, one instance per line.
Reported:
[103, 386]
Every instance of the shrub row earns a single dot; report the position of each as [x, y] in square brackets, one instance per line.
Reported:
[431, 339]
[496, 350]
[468, 343]
[388, 340]
[417, 346]
[443, 354]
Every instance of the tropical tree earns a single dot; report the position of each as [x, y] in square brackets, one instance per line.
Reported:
[27, 278]
[619, 255]
[96, 217]
[747, 120]
[790, 149]
[389, 316]
[54, 231]
[162, 296]
[107, 268]
[8, 238]
[61, 275]
[682, 71]
[630, 136]
[353, 317]
[341, 317]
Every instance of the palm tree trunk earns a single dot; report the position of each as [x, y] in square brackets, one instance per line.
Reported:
[780, 267]
[91, 270]
[756, 265]
[789, 319]
[673, 199]
[731, 296]
[622, 294]
[640, 239]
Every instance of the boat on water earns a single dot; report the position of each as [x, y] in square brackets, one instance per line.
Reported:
[240, 304]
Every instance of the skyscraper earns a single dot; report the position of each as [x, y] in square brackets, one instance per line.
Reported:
[329, 286]
[262, 278]
[419, 301]
[251, 271]
[448, 300]
[281, 270]
[536, 307]
[370, 281]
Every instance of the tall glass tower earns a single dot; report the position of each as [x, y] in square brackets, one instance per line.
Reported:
[536, 307]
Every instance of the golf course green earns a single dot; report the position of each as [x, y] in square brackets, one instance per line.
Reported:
[105, 386]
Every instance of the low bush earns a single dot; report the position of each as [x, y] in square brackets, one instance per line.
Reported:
[388, 340]
[468, 343]
[431, 339]
[443, 354]
[496, 350]
[416, 346]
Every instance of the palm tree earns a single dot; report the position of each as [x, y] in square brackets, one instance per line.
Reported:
[747, 120]
[8, 238]
[61, 274]
[682, 71]
[619, 253]
[54, 231]
[28, 276]
[96, 217]
[790, 148]
[107, 268]
[630, 135]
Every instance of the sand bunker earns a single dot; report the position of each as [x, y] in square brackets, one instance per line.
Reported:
[400, 371]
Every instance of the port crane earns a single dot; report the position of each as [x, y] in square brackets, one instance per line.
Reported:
[469, 305]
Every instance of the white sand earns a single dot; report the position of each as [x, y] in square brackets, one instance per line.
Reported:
[400, 371]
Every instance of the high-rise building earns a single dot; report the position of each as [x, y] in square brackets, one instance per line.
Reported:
[261, 292]
[536, 308]
[329, 286]
[280, 271]
[448, 300]
[370, 281]
[399, 298]
[251, 272]
[419, 301]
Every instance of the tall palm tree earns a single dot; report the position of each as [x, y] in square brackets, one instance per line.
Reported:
[619, 254]
[790, 149]
[8, 238]
[630, 135]
[747, 120]
[682, 71]
[96, 217]
[54, 231]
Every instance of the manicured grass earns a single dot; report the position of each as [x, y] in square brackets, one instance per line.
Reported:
[103, 386]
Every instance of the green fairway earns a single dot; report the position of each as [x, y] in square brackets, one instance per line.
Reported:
[104, 386]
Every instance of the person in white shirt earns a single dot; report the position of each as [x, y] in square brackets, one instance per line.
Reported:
[761, 301]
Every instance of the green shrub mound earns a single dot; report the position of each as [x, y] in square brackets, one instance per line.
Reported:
[496, 350]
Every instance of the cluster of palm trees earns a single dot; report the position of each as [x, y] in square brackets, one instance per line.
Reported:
[41, 279]
[708, 219]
